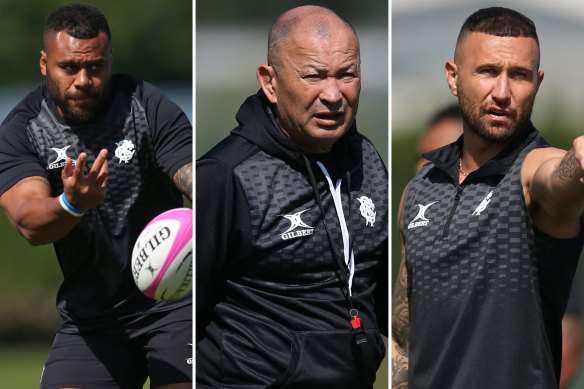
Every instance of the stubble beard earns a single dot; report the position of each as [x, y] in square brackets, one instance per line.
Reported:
[494, 132]
[74, 115]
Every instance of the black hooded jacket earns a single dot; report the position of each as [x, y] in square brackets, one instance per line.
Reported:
[271, 286]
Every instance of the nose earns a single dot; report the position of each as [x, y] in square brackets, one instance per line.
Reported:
[501, 93]
[82, 80]
[331, 91]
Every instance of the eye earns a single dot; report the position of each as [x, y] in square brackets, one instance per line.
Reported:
[488, 71]
[312, 78]
[69, 68]
[314, 75]
[521, 75]
[347, 76]
[95, 67]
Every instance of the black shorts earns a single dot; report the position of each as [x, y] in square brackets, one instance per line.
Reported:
[158, 346]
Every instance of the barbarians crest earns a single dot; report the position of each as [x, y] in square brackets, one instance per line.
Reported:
[125, 150]
[367, 210]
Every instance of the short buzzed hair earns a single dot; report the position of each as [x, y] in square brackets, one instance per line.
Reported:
[289, 21]
[81, 21]
[499, 21]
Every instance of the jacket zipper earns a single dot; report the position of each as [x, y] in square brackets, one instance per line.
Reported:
[446, 230]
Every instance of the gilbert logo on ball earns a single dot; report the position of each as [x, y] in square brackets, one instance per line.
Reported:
[162, 263]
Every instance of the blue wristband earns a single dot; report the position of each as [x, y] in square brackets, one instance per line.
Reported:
[68, 207]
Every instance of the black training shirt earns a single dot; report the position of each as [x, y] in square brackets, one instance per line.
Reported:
[148, 139]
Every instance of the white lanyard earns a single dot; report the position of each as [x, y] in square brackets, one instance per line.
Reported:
[336, 193]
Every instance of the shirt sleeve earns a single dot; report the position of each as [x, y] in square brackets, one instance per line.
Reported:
[18, 159]
[172, 132]
[222, 230]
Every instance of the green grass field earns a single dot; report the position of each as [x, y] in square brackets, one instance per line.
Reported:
[21, 367]
[382, 380]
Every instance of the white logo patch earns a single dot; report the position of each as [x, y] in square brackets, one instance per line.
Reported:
[296, 222]
[483, 205]
[421, 220]
[125, 151]
[367, 210]
[60, 158]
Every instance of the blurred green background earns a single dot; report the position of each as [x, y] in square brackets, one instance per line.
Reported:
[152, 40]
[231, 41]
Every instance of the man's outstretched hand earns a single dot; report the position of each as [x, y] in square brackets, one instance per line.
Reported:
[85, 191]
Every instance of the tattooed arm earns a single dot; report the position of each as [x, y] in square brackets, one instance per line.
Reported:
[400, 331]
[553, 189]
[400, 322]
[183, 179]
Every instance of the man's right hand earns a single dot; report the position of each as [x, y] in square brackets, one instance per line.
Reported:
[38, 216]
[85, 191]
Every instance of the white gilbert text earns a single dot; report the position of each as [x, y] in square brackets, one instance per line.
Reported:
[148, 248]
[421, 223]
[296, 234]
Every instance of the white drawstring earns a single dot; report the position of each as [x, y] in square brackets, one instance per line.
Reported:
[336, 193]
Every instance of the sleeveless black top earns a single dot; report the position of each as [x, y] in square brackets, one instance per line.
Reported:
[488, 290]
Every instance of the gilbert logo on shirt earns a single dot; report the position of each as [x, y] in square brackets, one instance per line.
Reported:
[297, 227]
[60, 159]
[421, 220]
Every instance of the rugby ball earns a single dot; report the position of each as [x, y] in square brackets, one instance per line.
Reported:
[162, 264]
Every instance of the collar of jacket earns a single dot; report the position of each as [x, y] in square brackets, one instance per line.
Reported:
[258, 125]
[447, 158]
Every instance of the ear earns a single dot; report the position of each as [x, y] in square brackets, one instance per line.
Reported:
[268, 81]
[451, 71]
[43, 63]
[539, 79]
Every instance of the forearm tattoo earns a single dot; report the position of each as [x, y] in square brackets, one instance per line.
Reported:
[568, 167]
[400, 328]
[183, 179]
